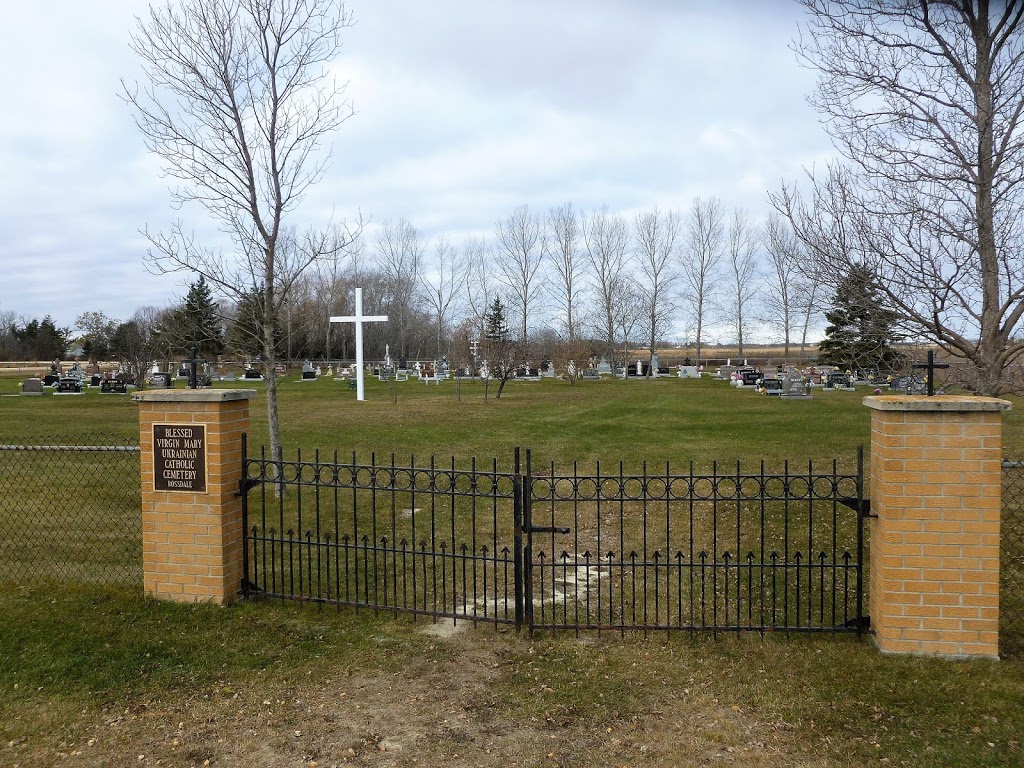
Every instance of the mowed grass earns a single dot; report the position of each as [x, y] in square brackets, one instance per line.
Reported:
[76, 660]
[610, 420]
[72, 657]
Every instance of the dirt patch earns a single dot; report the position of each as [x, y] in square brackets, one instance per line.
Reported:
[447, 712]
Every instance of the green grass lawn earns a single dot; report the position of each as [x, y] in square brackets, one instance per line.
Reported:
[611, 420]
[74, 659]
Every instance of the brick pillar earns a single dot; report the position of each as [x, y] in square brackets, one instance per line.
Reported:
[935, 488]
[192, 539]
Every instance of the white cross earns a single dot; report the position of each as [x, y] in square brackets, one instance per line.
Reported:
[359, 318]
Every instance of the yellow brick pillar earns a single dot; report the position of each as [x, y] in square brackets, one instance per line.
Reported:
[191, 451]
[935, 489]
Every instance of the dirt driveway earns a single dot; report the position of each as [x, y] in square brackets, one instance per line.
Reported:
[442, 711]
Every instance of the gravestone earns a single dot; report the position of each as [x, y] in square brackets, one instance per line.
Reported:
[795, 388]
[69, 386]
[308, 371]
[160, 380]
[689, 372]
[838, 380]
[604, 368]
[113, 387]
[771, 386]
[33, 386]
[747, 377]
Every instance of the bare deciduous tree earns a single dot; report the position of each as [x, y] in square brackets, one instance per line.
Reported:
[630, 309]
[606, 239]
[441, 281]
[704, 235]
[521, 244]
[657, 243]
[741, 248]
[238, 103]
[925, 100]
[563, 253]
[476, 253]
[400, 253]
[791, 292]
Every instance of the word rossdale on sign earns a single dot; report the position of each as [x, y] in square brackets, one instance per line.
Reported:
[179, 457]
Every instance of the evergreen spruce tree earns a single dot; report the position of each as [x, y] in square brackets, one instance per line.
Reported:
[860, 334]
[245, 335]
[495, 326]
[200, 318]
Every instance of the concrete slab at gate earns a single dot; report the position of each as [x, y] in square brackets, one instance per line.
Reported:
[191, 457]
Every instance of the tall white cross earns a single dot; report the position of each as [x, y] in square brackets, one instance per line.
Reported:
[359, 318]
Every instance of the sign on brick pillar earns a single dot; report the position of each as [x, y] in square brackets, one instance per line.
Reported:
[191, 458]
[935, 493]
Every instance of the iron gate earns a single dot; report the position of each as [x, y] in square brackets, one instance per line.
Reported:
[720, 550]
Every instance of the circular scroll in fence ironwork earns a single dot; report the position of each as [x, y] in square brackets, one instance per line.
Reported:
[179, 457]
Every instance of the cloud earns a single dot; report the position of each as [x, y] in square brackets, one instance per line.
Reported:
[463, 111]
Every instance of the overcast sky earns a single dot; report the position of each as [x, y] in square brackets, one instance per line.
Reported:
[464, 110]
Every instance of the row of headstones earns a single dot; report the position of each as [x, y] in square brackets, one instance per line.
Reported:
[793, 383]
[73, 382]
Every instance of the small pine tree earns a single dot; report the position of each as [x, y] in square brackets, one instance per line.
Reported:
[860, 333]
[495, 326]
[201, 320]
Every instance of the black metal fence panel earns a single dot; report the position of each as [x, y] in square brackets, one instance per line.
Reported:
[70, 510]
[659, 550]
[1011, 565]
[724, 550]
[420, 538]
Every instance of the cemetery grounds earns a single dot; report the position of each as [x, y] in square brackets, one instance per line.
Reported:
[98, 675]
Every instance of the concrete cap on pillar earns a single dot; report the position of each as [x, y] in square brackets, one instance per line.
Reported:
[192, 395]
[948, 403]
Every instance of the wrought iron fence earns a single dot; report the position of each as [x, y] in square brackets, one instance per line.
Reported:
[727, 549]
[656, 550]
[70, 510]
[1011, 566]
[422, 539]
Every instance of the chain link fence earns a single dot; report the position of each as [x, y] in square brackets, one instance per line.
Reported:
[1011, 587]
[70, 510]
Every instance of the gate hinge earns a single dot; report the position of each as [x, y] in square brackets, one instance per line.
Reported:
[246, 484]
[861, 506]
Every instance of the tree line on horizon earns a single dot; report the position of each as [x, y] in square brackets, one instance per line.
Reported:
[564, 276]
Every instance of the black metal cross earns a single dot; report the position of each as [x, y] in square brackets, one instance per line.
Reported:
[193, 378]
[930, 367]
